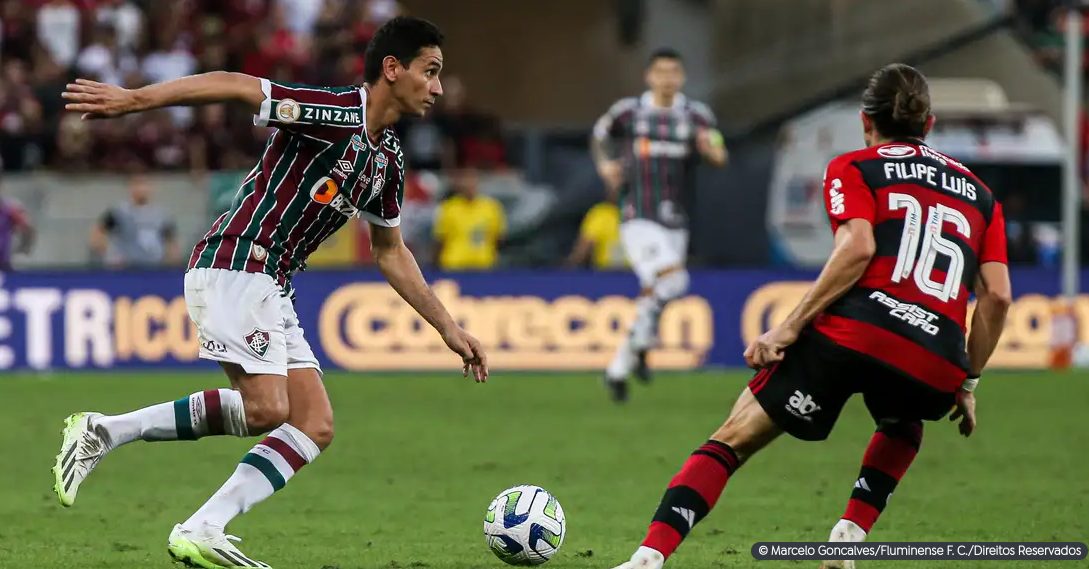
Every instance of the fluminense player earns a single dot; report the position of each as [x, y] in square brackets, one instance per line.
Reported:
[333, 156]
[915, 234]
[646, 148]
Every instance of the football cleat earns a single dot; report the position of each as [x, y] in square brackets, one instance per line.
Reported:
[845, 531]
[643, 558]
[618, 389]
[642, 370]
[208, 548]
[81, 450]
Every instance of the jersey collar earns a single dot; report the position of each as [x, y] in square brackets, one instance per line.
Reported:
[647, 100]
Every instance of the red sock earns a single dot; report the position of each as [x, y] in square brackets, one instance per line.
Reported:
[888, 457]
[691, 495]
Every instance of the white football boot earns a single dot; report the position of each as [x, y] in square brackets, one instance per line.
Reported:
[208, 548]
[845, 531]
[82, 448]
[643, 558]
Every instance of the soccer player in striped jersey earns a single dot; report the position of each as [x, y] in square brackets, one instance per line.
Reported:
[332, 157]
[646, 148]
[915, 233]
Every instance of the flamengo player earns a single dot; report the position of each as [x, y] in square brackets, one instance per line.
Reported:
[657, 137]
[915, 233]
[332, 157]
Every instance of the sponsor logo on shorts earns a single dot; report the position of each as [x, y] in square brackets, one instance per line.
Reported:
[288, 111]
[258, 342]
[213, 346]
[802, 406]
[897, 151]
[911, 314]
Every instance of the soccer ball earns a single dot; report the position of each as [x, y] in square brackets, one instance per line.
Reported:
[524, 525]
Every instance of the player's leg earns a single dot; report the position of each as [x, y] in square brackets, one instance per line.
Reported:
[223, 305]
[696, 488]
[890, 453]
[782, 398]
[304, 431]
[657, 257]
[670, 283]
[898, 405]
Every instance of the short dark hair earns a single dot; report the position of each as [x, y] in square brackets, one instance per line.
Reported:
[402, 37]
[897, 99]
[664, 53]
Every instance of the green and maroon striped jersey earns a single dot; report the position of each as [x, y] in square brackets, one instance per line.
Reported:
[657, 147]
[319, 169]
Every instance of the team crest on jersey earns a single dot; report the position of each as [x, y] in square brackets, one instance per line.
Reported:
[258, 342]
[288, 111]
[258, 252]
[897, 151]
[380, 163]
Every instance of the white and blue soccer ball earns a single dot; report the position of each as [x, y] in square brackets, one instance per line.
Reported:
[524, 525]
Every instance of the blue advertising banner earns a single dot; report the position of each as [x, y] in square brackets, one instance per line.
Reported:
[528, 320]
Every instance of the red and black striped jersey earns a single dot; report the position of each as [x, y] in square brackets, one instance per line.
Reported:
[657, 147]
[934, 224]
[319, 169]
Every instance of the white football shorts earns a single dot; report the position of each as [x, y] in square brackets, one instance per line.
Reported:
[243, 319]
[652, 247]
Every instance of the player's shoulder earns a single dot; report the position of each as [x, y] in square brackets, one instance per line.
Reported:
[624, 105]
[837, 165]
[700, 109]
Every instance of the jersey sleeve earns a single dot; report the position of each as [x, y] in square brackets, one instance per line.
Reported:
[993, 249]
[703, 116]
[499, 219]
[386, 209]
[308, 109]
[611, 124]
[846, 195]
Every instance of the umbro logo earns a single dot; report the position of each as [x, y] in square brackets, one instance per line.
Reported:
[802, 405]
[688, 515]
[345, 166]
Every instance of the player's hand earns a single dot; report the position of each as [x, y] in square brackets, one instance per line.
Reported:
[98, 100]
[612, 173]
[768, 348]
[473, 358]
[710, 145]
[965, 411]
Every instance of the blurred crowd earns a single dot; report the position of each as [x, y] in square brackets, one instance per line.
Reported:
[1041, 23]
[46, 43]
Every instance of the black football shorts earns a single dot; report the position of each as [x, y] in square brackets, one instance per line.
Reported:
[805, 392]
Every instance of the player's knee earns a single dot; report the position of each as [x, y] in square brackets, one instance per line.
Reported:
[264, 415]
[909, 431]
[320, 431]
[672, 285]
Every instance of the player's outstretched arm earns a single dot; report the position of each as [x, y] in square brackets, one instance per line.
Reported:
[100, 100]
[400, 269]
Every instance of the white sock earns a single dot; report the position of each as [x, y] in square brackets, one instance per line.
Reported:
[265, 469]
[641, 337]
[209, 412]
[644, 330]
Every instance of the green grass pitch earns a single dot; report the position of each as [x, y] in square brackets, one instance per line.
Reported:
[418, 458]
